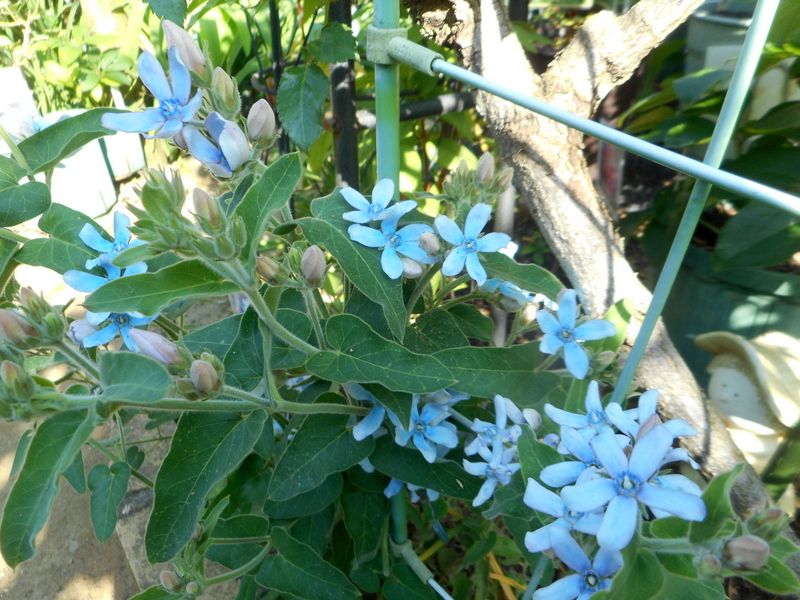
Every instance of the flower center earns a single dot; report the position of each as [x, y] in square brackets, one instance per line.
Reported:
[470, 245]
[374, 209]
[591, 580]
[420, 427]
[394, 239]
[628, 485]
[119, 319]
[119, 247]
[566, 335]
[169, 108]
[596, 417]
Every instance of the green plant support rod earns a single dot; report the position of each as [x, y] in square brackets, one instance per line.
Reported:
[723, 131]
[387, 100]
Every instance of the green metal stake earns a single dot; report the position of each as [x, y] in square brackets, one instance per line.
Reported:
[729, 115]
[387, 100]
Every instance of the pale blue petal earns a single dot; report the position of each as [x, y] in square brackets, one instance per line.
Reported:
[595, 330]
[425, 447]
[567, 308]
[415, 252]
[475, 268]
[369, 424]
[125, 331]
[649, 451]
[550, 344]
[187, 112]
[680, 483]
[389, 223]
[619, 523]
[401, 208]
[215, 124]
[607, 562]
[566, 588]
[359, 393]
[92, 238]
[454, 262]
[411, 233]
[366, 236]
[391, 263]
[478, 469]
[201, 147]
[568, 419]
[492, 242]
[448, 230]
[680, 428]
[133, 122]
[486, 491]
[138, 320]
[620, 419]
[576, 360]
[153, 77]
[401, 436]
[356, 216]
[179, 75]
[569, 551]
[588, 523]
[442, 435]
[96, 318]
[393, 488]
[476, 220]
[83, 282]
[547, 322]
[540, 498]
[609, 453]
[589, 496]
[102, 337]
[686, 506]
[354, 199]
[563, 473]
[648, 402]
[382, 193]
[122, 225]
[539, 539]
[577, 446]
[592, 400]
[171, 128]
[135, 269]
[234, 146]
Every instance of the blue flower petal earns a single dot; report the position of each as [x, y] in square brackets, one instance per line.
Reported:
[83, 282]
[415, 252]
[171, 128]
[188, 111]
[102, 337]
[454, 262]
[476, 220]
[427, 449]
[588, 523]
[538, 540]
[619, 523]
[411, 233]
[359, 393]
[568, 550]
[179, 75]
[492, 242]
[567, 308]
[595, 330]
[153, 77]
[589, 496]
[369, 424]
[475, 268]
[234, 146]
[356, 216]
[647, 404]
[486, 491]
[95, 318]
[568, 419]
[649, 452]
[133, 122]
[678, 503]
[607, 562]
[390, 262]
[125, 331]
[122, 225]
[478, 469]
[576, 360]
[547, 322]
[215, 124]
[92, 238]
[136, 269]
[621, 420]
[448, 230]
[577, 445]
[563, 473]
[592, 400]
[609, 453]
[393, 488]
[442, 435]
[399, 209]
[354, 198]
[382, 193]
[550, 344]
[139, 320]
[201, 148]
[566, 588]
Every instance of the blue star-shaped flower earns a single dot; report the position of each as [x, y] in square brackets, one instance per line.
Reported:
[394, 242]
[498, 468]
[229, 151]
[374, 419]
[561, 333]
[426, 429]
[395, 485]
[377, 209]
[110, 250]
[468, 244]
[174, 109]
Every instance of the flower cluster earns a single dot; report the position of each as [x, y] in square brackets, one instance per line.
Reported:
[611, 473]
[88, 332]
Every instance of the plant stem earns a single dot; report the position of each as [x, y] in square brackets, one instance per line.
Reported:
[668, 545]
[240, 540]
[136, 473]
[311, 308]
[7, 234]
[536, 577]
[229, 390]
[276, 328]
[420, 288]
[446, 289]
[301, 408]
[78, 359]
[399, 531]
[15, 151]
[243, 570]
[172, 404]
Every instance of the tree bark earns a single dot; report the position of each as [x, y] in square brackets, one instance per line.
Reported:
[551, 173]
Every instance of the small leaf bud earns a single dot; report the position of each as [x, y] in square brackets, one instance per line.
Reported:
[261, 122]
[54, 326]
[504, 177]
[156, 346]
[238, 231]
[188, 50]
[224, 248]
[14, 328]
[313, 266]
[485, 168]
[411, 268]
[430, 243]
[193, 588]
[33, 304]
[169, 579]
[225, 93]
[18, 383]
[708, 566]
[747, 552]
[768, 523]
[267, 268]
[208, 211]
[204, 378]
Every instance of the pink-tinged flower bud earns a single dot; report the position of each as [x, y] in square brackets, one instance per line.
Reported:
[261, 122]
[157, 347]
[204, 377]
[34, 304]
[768, 523]
[485, 169]
[14, 328]
[169, 579]
[188, 50]
[234, 145]
[747, 552]
[430, 243]
[226, 94]
[313, 266]
[267, 268]
[193, 588]
[207, 210]
[411, 268]
[504, 178]
[709, 565]
[79, 330]
[16, 380]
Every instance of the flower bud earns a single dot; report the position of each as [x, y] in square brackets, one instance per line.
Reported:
[267, 268]
[188, 50]
[55, 326]
[261, 122]
[532, 417]
[207, 210]
[768, 523]
[14, 328]
[747, 552]
[708, 566]
[157, 347]
[510, 304]
[504, 177]
[192, 588]
[313, 266]
[238, 231]
[224, 248]
[552, 440]
[204, 378]
[411, 268]
[430, 243]
[225, 93]
[33, 304]
[169, 579]
[79, 330]
[18, 383]
[485, 168]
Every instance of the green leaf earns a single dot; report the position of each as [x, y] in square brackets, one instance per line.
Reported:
[642, 576]
[486, 371]
[433, 331]
[408, 465]
[173, 10]
[532, 278]
[19, 202]
[335, 44]
[108, 487]
[365, 516]
[534, 455]
[692, 87]
[21, 452]
[298, 571]
[156, 593]
[717, 498]
[148, 293]
[397, 402]
[215, 338]
[405, 585]
[75, 474]
[359, 354]
[234, 556]
[360, 264]
[244, 360]
[269, 194]
[283, 355]
[775, 577]
[133, 377]
[206, 448]
[507, 500]
[322, 445]
[677, 586]
[758, 236]
[45, 149]
[472, 322]
[779, 119]
[51, 452]
[619, 315]
[307, 503]
[301, 96]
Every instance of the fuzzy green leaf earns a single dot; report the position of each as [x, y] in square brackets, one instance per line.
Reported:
[301, 96]
[108, 486]
[133, 377]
